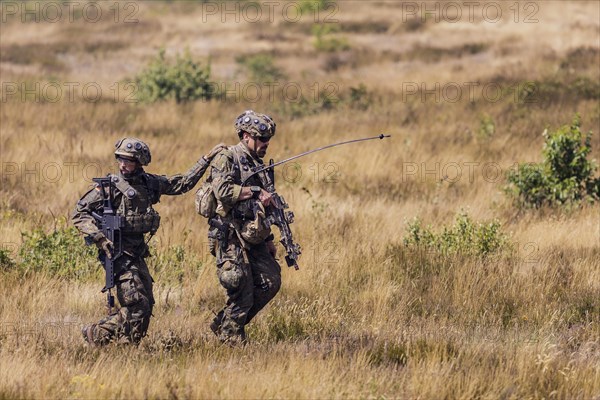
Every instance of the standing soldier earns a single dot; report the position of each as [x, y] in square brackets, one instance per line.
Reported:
[243, 245]
[133, 192]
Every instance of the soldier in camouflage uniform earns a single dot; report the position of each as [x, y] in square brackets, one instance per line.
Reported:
[134, 193]
[245, 252]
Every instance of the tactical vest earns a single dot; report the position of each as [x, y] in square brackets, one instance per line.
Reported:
[136, 203]
[242, 169]
[206, 202]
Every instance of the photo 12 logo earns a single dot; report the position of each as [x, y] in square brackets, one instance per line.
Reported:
[455, 92]
[69, 11]
[51, 172]
[128, 92]
[471, 11]
[51, 331]
[269, 11]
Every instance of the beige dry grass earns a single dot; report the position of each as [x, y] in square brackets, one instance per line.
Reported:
[364, 318]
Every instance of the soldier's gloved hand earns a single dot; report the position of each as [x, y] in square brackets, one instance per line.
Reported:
[215, 150]
[106, 245]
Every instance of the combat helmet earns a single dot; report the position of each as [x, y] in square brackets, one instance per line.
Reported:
[257, 125]
[133, 148]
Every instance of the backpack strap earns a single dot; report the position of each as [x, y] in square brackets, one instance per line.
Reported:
[242, 165]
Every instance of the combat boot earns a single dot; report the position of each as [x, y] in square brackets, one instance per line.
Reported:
[233, 334]
[215, 325]
[234, 340]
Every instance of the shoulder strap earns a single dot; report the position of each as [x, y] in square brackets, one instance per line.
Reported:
[237, 165]
[123, 186]
[243, 166]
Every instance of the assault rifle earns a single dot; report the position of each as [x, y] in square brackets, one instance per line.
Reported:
[110, 224]
[282, 219]
[276, 214]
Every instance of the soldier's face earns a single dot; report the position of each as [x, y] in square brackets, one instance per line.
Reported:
[127, 166]
[258, 145]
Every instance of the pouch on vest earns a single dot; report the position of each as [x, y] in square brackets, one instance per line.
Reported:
[206, 202]
[147, 222]
[255, 231]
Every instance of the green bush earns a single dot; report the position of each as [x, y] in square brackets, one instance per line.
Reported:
[184, 80]
[565, 175]
[464, 237]
[323, 40]
[260, 67]
[6, 262]
[61, 253]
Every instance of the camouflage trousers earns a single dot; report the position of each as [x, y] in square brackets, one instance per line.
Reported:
[130, 322]
[250, 286]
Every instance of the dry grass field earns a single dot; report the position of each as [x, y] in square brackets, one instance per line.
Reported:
[466, 91]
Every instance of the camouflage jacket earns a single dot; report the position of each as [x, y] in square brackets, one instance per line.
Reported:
[149, 188]
[227, 175]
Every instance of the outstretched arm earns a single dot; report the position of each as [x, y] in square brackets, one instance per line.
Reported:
[182, 183]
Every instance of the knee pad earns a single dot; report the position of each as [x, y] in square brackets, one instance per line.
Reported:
[231, 275]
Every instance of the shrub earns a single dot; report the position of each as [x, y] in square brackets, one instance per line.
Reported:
[260, 67]
[464, 237]
[6, 262]
[323, 41]
[61, 253]
[565, 175]
[184, 80]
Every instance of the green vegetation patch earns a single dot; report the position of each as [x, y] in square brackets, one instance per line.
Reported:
[325, 39]
[61, 252]
[565, 176]
[182, 80]
[6, 262]
[260, 67]
[465, 237]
